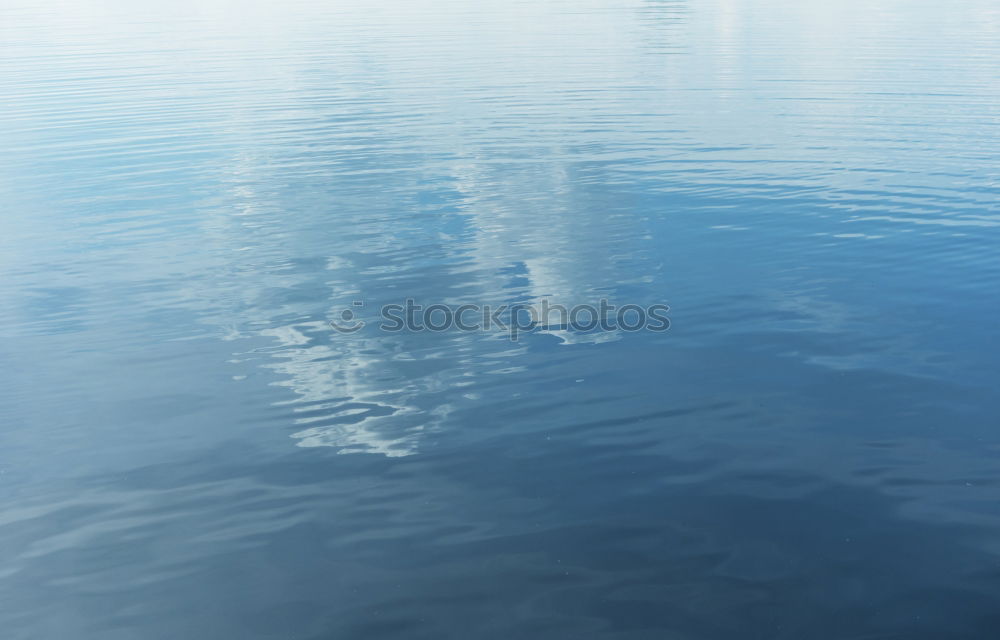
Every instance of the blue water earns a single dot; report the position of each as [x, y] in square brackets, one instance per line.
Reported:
[191, 191]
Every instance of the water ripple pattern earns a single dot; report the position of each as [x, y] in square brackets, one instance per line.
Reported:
[192, 191]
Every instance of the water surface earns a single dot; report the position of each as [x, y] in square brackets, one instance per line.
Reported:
[192, 190]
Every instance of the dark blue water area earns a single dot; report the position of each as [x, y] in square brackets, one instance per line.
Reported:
[192, 192]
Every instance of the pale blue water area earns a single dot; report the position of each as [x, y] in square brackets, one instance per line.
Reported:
[191, 191]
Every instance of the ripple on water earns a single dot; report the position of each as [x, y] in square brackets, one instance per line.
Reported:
[193, 191]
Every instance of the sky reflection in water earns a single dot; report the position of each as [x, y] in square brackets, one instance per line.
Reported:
[193, 190]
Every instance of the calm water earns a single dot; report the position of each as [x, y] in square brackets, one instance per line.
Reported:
[192, 190]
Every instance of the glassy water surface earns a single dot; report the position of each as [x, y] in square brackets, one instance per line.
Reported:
[192, 190]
